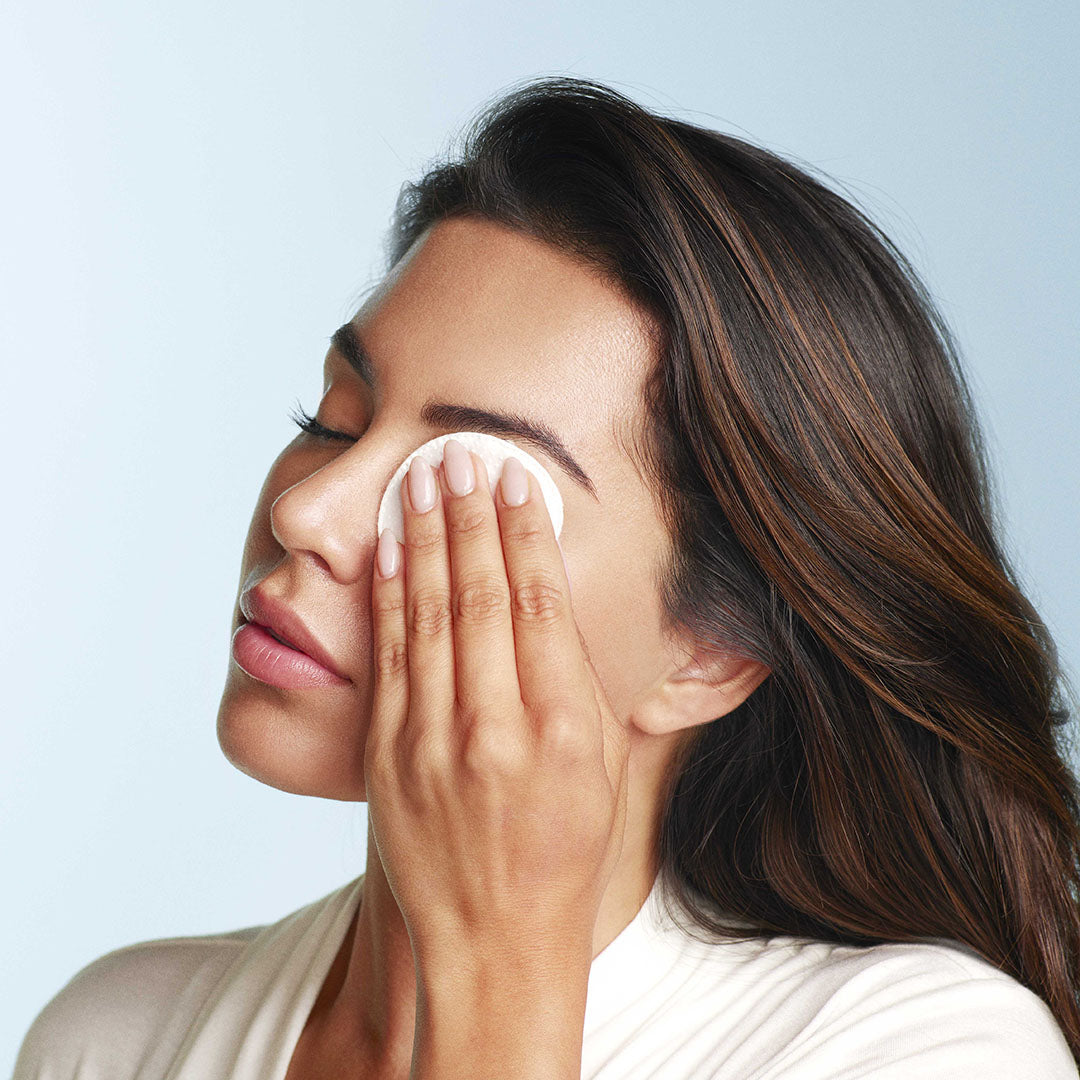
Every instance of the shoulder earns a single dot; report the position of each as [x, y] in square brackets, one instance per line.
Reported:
[104, 1019]
[934, 1009]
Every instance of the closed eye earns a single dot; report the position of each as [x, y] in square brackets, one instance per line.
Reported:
[312, 426]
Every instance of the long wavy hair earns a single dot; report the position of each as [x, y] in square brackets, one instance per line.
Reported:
[815, 452]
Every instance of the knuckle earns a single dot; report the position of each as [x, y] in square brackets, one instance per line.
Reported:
[565, 735]
[537, 601]
[480, 600]
[488, 750]
[467, 519]
[423, 755]
[391, 659]
[387, 602]
[423, 541]
[428, 614]
[525, 532]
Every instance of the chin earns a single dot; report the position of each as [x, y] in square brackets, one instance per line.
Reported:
[262, 733]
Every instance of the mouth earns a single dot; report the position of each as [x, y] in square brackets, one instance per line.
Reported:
[270, 658]
[278, 637]
[281, 624]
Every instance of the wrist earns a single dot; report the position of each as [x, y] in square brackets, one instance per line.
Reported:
[518, 1015]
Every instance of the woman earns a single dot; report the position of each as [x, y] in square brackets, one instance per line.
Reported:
[780, 790]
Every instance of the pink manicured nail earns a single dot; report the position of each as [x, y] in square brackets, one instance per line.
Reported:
[387, 553]
[514, 482]
[458, 467]
[421, 485]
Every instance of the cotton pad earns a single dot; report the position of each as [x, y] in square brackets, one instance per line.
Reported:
[493, 452]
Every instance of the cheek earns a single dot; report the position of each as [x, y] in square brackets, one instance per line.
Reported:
[616, 607]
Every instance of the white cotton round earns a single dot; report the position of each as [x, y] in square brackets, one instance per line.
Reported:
[493, 452]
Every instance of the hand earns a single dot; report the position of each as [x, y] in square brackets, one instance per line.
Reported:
[495, 767]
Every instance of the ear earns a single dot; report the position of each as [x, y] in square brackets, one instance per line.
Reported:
[709, 685]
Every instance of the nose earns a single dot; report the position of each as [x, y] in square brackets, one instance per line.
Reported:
[331, 513]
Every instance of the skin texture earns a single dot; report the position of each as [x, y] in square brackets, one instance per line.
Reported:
[481, 315]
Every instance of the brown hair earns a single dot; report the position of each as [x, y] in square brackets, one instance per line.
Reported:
[902, 774]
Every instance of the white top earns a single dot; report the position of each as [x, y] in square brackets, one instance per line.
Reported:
[660, 1005]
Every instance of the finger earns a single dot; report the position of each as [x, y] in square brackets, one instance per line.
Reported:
[428, 631]
[391, 692]
[484, 661]
[550, 668]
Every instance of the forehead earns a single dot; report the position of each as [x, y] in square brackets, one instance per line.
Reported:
[480, 314]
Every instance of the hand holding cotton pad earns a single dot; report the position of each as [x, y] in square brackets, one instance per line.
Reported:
[493, 452]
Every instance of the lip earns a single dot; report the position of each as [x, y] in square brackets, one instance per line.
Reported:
[267, 611]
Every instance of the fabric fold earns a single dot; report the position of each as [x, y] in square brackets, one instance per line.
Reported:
[249, 1026]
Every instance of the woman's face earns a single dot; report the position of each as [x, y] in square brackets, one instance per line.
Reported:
[478, 315]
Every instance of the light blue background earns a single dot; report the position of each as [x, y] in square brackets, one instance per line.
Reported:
[194, 198]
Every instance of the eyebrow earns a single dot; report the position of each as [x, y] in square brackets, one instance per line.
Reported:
[444, 414]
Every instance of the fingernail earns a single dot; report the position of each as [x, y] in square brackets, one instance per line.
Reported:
[514, 482]
[457, 464]
[421, 485]
[387, 553]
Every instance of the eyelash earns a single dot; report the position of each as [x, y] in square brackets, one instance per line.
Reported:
[312, 426]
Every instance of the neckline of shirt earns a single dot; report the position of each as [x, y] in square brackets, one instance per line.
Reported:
[638, 957]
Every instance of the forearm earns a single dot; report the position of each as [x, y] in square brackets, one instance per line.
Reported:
[507, 1023]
